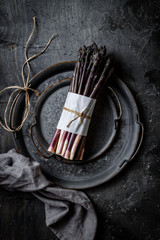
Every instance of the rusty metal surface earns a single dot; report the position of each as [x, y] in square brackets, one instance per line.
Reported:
[108, 164]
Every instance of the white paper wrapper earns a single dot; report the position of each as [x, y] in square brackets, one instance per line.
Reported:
[76, 103]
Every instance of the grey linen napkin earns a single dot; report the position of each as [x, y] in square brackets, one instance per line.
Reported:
[69, 213]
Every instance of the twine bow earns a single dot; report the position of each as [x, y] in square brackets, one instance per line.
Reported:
[80, 115]
[25, 88]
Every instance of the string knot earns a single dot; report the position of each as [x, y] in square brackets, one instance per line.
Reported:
[80, 115]
[26, 87]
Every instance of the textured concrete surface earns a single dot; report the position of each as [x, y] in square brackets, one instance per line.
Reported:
[128, 207]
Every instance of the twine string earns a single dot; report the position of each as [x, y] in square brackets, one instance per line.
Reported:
[80, 115]
[25, 88]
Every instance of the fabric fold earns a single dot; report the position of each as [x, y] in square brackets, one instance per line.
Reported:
[69, 213]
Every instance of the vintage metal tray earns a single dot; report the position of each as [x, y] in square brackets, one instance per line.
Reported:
[107, 160]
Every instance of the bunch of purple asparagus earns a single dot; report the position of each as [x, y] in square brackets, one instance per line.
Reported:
[92, 70]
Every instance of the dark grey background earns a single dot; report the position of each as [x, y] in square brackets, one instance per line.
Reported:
[128, 207]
